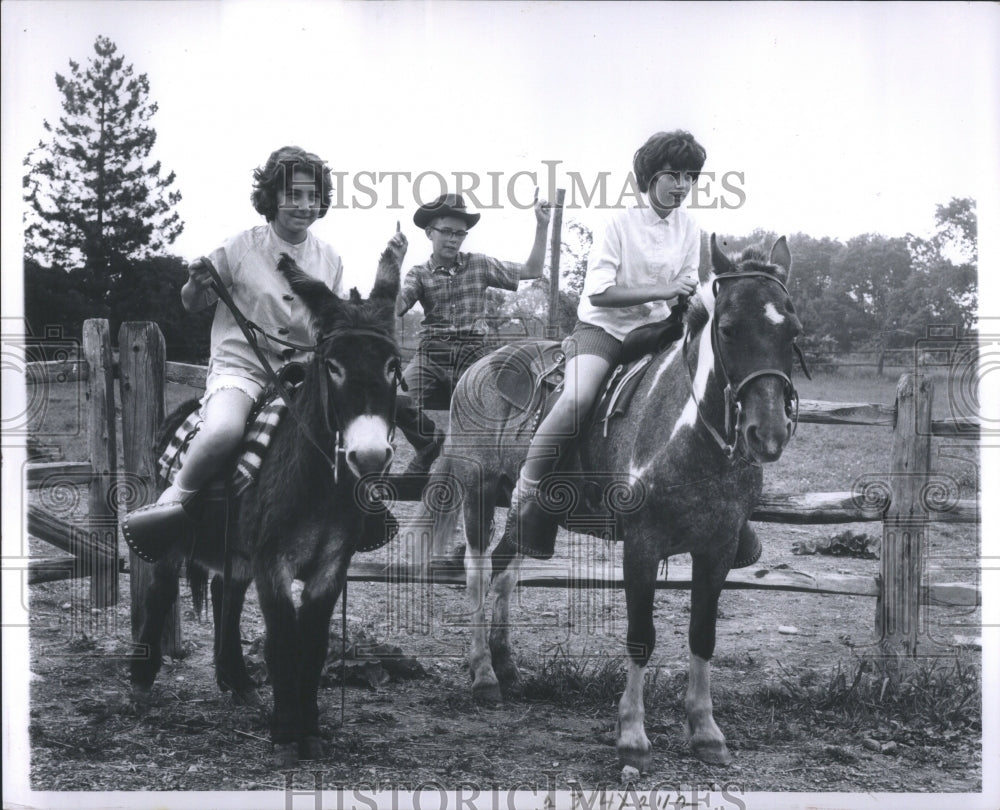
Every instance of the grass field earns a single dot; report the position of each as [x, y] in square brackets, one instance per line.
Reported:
[820, 458]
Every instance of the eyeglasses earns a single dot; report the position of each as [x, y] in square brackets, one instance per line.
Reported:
[448, 233]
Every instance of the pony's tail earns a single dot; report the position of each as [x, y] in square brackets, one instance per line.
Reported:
[430, 530]
[198, 577]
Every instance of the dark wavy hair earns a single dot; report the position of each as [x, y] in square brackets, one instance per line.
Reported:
[277, 174]
[677, 150]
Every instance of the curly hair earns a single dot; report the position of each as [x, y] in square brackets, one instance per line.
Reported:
[677, 150]
[277, 174]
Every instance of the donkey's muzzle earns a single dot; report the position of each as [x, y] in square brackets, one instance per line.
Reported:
[366, 445]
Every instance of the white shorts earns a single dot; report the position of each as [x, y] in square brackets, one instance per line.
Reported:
[221, 382]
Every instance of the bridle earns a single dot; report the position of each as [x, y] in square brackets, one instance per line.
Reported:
[279, 380]
[331, 415]
[729, 440]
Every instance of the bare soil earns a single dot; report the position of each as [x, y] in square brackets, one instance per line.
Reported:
[87, 733]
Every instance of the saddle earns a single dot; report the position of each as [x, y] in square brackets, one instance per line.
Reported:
[264, 419]
[528, 373]
[150, 536]
[529, 376]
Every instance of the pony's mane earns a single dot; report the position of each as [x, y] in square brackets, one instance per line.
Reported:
[752, 259]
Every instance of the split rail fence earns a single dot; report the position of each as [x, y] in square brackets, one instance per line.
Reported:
[904, 500]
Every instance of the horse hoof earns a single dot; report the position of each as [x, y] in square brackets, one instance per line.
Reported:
[285, 755]
[248, 698]
[142, 695]
[487, 693]
[245, 696]
[506, 671]
[634, 758]
[311, 748]
[712, 752]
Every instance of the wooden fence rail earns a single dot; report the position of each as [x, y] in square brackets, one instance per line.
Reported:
[899, 501]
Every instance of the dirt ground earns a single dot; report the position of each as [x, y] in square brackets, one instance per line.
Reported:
[403, 729]
[88, 735]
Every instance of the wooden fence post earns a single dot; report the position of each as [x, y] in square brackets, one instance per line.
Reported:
[102, 515]
[142, 359]
[555, 253]
[904, 530]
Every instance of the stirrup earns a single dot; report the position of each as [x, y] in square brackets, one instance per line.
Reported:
[151, 531]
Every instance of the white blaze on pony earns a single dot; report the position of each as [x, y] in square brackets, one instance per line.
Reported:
[772, 314]
[706, 360]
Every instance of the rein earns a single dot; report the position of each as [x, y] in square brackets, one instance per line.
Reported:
[733, 402]
[250, 331]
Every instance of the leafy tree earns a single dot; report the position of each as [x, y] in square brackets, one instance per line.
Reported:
[96, 202]
[151, 291]
[943, 289]
[815, 295]
[53, 297]
[871, 276]
[527, 312]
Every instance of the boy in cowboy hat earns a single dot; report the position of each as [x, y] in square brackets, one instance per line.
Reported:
[451, 287]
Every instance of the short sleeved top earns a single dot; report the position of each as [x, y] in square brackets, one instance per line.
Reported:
[454, 298]
[637, 247]
[247, 265]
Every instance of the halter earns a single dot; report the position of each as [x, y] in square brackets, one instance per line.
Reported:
[250, 331]
[333, 428]
[733, 394]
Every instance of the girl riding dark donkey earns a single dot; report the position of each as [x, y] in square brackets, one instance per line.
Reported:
[292, 191]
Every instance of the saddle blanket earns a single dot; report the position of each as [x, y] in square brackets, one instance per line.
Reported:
[260, 429]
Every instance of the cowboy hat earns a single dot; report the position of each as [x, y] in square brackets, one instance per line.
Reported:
[447, 205]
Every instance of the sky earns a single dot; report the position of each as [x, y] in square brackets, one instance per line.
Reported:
[829, 119]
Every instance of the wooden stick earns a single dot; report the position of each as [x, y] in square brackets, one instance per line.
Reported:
[143, 351]
[103, 451]
[555, 253]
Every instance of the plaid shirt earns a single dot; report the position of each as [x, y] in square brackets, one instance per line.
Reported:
[454, 299]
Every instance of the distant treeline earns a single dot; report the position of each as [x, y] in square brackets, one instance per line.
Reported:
[870, 294]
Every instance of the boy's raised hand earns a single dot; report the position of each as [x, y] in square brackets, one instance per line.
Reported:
[543, 211]
[398, 244]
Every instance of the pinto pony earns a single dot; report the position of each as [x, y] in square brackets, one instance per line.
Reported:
[302, 518]
[685, 469]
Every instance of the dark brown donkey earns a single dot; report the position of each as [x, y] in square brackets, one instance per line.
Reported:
[302, 519]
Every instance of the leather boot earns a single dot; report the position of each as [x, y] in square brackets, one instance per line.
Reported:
[748, 549]
[531, 528]
[152, 530]
[377, 529]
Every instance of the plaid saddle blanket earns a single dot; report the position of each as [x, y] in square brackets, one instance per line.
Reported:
[260, 429]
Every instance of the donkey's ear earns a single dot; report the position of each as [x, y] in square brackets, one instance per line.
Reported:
[384, 312]
[782, 257]
[313, 292]
[720, 261]
[386, 286]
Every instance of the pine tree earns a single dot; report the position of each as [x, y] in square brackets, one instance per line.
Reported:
[95, 201]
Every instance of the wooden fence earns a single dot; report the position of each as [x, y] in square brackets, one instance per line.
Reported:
[901, 501]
